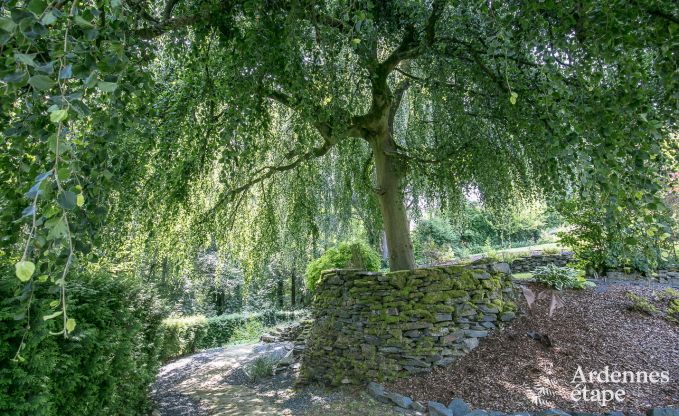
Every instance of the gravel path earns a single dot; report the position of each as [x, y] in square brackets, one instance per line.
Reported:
[213, 383]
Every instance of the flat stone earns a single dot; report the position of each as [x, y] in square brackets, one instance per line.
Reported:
[399, 400]
[459, 407]
[475, 333]
[496, 413]
[553, 412]
[437, 409]
[376, 390]
[477, 412]
[663, 411]
[440, 317]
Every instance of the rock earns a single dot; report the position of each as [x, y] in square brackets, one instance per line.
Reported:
[471, 343]
[376, 390]
[663, 411]
[477, 412]
[553, 412]
[496, 413]
[440, 317]
[500, 268]
[475, 333]
[507, 316]
[418, 407]
[437, 409]
[268, 338]
[274, 351]
[399, 400]
[459, 407]
[288, 359]
[615, 413]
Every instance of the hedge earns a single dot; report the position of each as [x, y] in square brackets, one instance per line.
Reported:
[105, 368]
[186, 335]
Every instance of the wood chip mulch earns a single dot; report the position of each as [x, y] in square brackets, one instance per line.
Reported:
[510, 371]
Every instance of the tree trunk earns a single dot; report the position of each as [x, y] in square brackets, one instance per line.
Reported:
[293, 289]
[389, 175]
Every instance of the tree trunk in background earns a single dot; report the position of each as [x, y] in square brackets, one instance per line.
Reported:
[389, 175]
[293, 289]
[279, 292]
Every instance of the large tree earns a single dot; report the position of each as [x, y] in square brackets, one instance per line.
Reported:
[299, 108]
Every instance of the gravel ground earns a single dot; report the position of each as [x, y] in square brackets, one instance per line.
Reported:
[509, 371]
[213, 383]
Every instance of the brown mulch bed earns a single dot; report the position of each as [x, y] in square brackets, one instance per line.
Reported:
[510, 371]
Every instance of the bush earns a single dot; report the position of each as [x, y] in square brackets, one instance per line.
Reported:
[561, 277]
[260, 368]
[104, 368]
[181, 336]
[341, 256]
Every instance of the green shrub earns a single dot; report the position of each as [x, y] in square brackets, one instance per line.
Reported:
[561, 277]
[341, 256]
[182, 336]
[104, 368]
[260, 368]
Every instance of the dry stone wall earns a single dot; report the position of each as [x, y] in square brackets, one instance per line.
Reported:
[373, 326]
[530, 263]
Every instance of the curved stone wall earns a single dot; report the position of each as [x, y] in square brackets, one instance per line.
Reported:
[374, 326]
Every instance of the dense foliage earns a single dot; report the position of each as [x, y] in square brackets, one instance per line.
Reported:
[560, 278]
[104, 368]
[344, 255]
[135, 134]
[181, 336]
[476, 229]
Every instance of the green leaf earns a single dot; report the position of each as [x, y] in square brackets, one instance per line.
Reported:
[54, 303]
[42, 278]
[58, 230]
[80, 200]
[24, 270]
[83, 23]
[67, 200]
[58, 116]
[49, 18]
[41, 82]
[70, 325]
[51, 316]
[7, 24]
[107, 86]
[66, 72]
[37, 6]
[513, 97]
[25, 58]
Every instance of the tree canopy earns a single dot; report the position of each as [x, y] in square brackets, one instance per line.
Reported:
[270, 125]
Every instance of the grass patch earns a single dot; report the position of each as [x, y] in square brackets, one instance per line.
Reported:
[260, 368]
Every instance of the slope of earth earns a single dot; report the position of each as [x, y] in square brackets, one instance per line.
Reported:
[511, 371]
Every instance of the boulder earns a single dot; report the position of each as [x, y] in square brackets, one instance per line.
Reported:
[376, 390]
[459, 407]
[663, 411]
[399, 400]
[437, 409]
